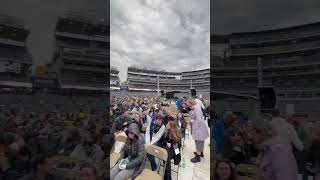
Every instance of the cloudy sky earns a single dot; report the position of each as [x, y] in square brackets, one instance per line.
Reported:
[171, 35]
[41, 16]
[252, 15]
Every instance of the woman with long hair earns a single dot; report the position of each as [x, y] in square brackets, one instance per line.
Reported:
[171, 140]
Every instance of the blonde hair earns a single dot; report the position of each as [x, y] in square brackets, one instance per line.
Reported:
[265, 128]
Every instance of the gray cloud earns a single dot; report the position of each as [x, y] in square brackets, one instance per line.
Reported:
[171, 35]
[41, 16]
[251, 15]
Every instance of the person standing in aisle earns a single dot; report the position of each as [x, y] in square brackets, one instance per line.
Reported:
[199, 131]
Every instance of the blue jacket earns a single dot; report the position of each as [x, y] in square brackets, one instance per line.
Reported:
[218, 134]
[178, 104]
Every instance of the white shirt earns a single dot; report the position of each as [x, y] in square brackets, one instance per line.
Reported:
[156, 137]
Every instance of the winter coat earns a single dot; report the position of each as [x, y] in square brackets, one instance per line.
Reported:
[178, 104]
[199, 127]
[276, 160]
[287, 131]
[134, 151]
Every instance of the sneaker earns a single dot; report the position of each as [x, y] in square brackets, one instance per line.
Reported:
[201, 155]
[196, 159]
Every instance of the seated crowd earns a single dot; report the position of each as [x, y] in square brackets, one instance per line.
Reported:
[148, 125]
[54, 146]
[275, 148]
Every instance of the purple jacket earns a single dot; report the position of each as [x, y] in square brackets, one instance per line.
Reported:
[199, 127]
[276, 160]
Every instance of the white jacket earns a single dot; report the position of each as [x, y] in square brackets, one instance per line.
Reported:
[287, 131]
[156, 137]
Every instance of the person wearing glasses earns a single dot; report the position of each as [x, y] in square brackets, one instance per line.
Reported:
[132, 156]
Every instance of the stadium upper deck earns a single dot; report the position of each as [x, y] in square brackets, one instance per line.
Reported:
[114, 77]
[82, 45]
[15, 59]
[139, 78]
[288, 58]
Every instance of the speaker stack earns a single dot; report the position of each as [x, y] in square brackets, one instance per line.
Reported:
[268, 98]
[193, 92]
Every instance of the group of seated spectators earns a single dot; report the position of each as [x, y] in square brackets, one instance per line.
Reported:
[145, 123]
[45, 146]
[279, 147]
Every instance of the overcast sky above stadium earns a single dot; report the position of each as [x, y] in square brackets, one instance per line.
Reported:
[41, 17]
[171, 35]
[253, 15]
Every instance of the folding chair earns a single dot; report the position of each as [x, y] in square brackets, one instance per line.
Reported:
[121, 138]
[172, 163]
[159, 153]
[114, 156]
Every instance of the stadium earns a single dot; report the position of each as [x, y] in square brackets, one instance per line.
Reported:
[143, 80]
[114, 78]
[74, 79]
[286, 60]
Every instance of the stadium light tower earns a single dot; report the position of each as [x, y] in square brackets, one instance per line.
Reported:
[158, 90]
[260, 84]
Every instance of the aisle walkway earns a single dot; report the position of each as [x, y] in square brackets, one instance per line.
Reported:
[197, 171]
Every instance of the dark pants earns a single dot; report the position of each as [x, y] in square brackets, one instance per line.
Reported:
[167, 174]
[152, 160]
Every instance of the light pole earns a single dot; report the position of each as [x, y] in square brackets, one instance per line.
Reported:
[158, 85]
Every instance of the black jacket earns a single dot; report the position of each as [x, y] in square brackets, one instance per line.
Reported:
[171, 153]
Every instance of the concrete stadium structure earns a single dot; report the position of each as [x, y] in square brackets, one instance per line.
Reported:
[82, 45]
[139, 78]
[288, 60]
[78, 67]
[15, 59]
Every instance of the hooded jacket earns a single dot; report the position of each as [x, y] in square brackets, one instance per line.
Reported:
[134, 151]
[276, 160]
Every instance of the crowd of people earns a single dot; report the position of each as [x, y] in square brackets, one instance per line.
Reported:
[279, 147]
[148, 122]
[43, 146]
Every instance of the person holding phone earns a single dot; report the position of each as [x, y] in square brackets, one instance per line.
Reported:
[132, 156]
